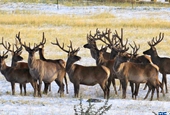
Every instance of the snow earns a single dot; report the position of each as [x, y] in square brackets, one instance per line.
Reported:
[52, 104]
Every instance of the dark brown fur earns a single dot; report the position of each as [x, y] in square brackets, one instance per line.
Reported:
[86, 75]
[16, 75]
[137, 73]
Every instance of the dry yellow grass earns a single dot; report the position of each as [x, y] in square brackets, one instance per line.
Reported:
[75, 28]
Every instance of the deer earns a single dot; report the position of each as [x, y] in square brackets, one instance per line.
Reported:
[91, 41]
[102, 57]
[85, 75]
[59, 62]
[16, 75]
[161, 62]
[42, 70]
[136, 73]
[142, 59]
[16, 56]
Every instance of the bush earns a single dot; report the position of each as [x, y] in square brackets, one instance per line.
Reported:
[91, 110]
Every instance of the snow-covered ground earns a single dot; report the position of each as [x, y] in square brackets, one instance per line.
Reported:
[52, 104]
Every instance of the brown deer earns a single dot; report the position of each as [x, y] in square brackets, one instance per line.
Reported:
[41, 70]
[59, 62]
[91, 41]
[142, 59]
[162, 62]
[86, 75]
[136, 73]
[102, 57]
[16, 75]
[108, 63]
[16, 56]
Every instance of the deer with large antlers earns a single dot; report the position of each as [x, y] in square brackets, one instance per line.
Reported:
[59, 62]
[86, 75]
[136, 73]
[162, 62]
[91, 42]
[16, 56]
[142, 59]
[41, 70]
[102, 57]
[16, 75]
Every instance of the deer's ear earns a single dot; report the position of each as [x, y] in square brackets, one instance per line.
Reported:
[27, 49]
[36, 49]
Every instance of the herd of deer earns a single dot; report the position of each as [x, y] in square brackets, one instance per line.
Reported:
[118, 64]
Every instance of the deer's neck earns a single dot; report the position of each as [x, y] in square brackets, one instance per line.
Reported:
[31, 61]
[94, 53]
[41, 54]
[155, 58]
[117, 63]
[70, 67]
[13, 64]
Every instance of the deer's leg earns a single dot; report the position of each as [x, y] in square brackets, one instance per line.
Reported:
[46, 85]
[157, 89]
[35, 86]
[13, 88]
[76, 90]
[104, 90]
[39, 87]
[24, 85]
[165, 81]
[149, 90]
[20, 86]
[136, 89]
[145, 87]
[114, 85]
[58, 83]
[162, 90]
[61, 87]
[124, 83]
[153, 90]
[132, 88]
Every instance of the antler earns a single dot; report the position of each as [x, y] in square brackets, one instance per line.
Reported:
[135, 49]
[120, 38]
[107, 35]
[8, 48]
[61, 47]
[73, 50]
[5, 45]
[35, 46]
[42, 42]
[155, 41]
[95, 36]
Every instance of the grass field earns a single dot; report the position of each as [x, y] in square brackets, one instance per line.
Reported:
[76, 27]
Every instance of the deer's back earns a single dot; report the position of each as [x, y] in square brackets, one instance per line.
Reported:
[22, 65]
[164, 65]
[19, 75]
[48, 71]
[89, 75]
[138, 72]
